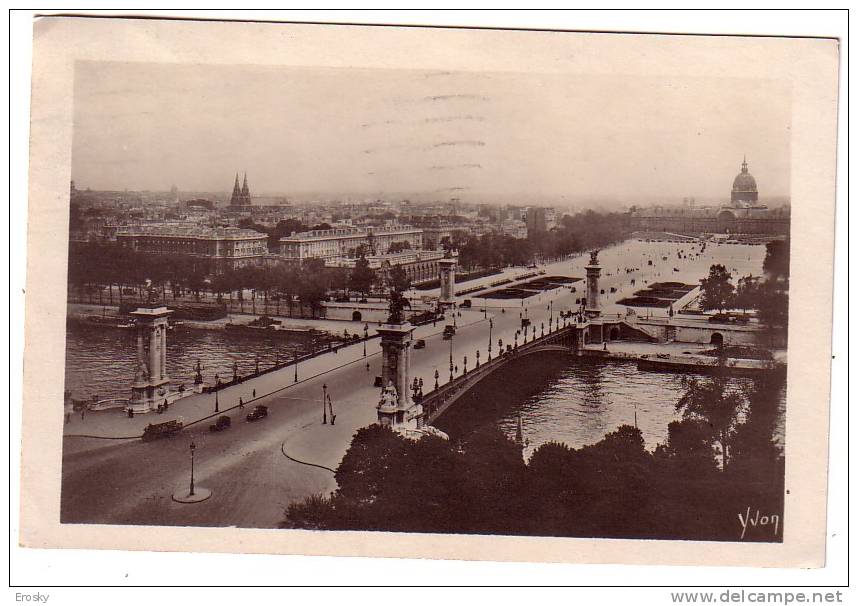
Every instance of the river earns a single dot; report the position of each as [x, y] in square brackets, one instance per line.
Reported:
[100, 360]
[575, 401]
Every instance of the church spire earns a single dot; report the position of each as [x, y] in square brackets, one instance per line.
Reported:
[744, 163]
[244, 189]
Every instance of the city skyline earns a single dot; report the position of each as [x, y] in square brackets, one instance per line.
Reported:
[425, 135]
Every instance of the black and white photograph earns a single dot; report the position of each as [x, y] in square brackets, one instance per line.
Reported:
[544, 301]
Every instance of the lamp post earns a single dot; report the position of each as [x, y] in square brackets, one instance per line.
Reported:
[192, 448]
[542, 327]
[515, 340]
[436, 378]
[324, 404]
[491, 325]
[451, 358]
[296, 368]
[365, 334]
[478, 358]
[500, 347]
[465, 365]
[216, 403]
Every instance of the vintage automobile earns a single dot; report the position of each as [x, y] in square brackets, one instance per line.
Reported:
[258, 412]
[223, 422]
[420, 344]
[449, 331]
[154, 431]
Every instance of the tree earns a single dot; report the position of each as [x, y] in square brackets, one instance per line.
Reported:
[362, 276]
[399, 280]
[397, 247]
[715, 402]
[776, 263]
[747, 293]
[716, 289]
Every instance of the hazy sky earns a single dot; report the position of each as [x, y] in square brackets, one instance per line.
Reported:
[438, 134]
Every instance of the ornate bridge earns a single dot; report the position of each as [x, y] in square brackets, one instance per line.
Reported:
[568, 339]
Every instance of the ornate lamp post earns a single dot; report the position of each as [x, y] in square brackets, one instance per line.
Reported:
[296, 368]
[478, 358]
[324, 404]
[515, 340]
[216, 403]
[365, 334]
[500, 347]
[436, 378]
[542, 325]
[451, 358]
[192, 448]
[465, 365]
[491, 325]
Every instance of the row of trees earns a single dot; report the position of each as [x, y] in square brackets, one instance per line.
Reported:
[614, 488]
[768, 295]
[575, 233]
[95, 265]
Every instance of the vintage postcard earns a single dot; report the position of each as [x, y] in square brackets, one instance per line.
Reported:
[441, 293]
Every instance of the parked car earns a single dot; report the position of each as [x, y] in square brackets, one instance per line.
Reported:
[258, 412]
[449, 331]
[223, 422]
[420, 344]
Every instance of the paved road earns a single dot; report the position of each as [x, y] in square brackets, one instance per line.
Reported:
[251, 480]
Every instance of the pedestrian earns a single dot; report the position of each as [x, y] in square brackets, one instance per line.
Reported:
[82, 412]
[240, 402]
[254, 393]
[367, 366]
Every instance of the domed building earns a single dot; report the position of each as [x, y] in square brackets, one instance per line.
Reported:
[743, 215]
[744, 192]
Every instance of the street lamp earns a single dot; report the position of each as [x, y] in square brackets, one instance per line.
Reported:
[216, 403]
[542, 327]
[451, 358]
[491, 325]
[478, 358]
[436, 378]
[296, 368]
[500, 347]
[365, 334]
[465, 365]
[324, 404]
[192, 448]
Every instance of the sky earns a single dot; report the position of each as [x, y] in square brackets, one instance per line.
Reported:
[432, 135]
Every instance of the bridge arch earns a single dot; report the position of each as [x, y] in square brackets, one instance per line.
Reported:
[717, 339]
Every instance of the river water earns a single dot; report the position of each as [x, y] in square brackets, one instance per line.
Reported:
[575, 401]
[100, 361]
